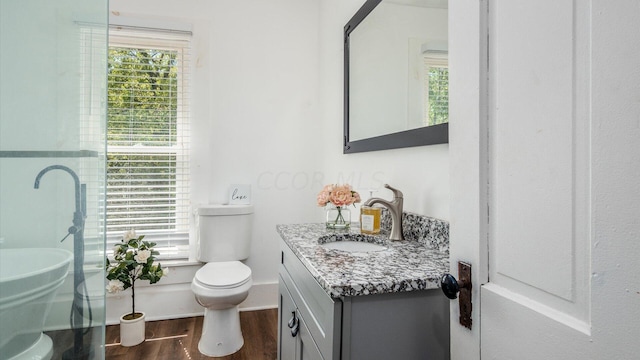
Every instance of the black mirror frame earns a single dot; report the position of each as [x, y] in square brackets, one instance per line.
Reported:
[428, 135]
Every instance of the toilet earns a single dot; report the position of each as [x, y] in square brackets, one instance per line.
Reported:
[223, 239]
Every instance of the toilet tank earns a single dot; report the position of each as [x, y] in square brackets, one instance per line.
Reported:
[224, 232]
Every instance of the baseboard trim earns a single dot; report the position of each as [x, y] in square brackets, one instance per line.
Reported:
[170, 299]
[258, 308]
[154, 302]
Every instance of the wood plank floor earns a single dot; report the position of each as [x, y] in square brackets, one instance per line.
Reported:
[178, 339]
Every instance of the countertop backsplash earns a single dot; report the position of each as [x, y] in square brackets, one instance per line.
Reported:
[431, 232]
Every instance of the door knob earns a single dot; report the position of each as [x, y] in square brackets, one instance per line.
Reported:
[451, 287]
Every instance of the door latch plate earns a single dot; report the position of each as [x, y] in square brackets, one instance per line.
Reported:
[464, 298]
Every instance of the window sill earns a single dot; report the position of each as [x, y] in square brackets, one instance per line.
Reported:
[172, 263]
[178, 255]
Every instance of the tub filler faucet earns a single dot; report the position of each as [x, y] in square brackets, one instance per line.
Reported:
[78, 351]
[395, 209]
[80, 199]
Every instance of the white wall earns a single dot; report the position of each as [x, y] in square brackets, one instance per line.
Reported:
[255, 109]
[267, 111]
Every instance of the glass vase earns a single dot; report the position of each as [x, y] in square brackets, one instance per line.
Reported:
[338, 217]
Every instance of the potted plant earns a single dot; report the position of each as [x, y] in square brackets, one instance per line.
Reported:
[133, 259]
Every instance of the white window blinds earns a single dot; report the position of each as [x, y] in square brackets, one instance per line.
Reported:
[436, 68]
[148, 138]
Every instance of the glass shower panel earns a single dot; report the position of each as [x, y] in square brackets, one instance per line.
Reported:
[52, 174]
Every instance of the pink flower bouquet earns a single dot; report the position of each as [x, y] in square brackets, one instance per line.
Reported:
[340, 196]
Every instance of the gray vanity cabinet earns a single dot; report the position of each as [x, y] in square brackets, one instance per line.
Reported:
[309, 320]
[288, 341]
[296, 342]
[403, 325]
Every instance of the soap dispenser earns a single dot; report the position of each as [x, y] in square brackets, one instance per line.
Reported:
[370, 218]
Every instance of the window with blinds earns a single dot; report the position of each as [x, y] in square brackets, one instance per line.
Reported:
[148, 138]
[436, 68]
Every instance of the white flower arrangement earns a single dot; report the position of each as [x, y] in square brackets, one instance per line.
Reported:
[133, 260]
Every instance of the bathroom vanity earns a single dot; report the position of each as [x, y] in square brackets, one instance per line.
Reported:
[370, 304]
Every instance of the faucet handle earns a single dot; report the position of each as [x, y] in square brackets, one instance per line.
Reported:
[72, 230]
[397, 194]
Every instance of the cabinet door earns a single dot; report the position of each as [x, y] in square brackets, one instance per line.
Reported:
[321, 313]
[296, 343]
[306, 347]
[286, 311]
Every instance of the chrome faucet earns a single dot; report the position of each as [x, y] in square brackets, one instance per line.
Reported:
[395, 208]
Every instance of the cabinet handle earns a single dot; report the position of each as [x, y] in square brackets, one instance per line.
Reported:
[294, 324]
[292, 321]
[296, 328]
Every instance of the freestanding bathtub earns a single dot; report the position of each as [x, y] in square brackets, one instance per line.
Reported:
[29, 279]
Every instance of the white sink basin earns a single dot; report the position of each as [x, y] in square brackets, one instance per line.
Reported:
[353, 246]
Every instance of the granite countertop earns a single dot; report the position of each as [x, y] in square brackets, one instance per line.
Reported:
[408, 265]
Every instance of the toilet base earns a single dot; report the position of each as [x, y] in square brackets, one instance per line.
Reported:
[221, 333]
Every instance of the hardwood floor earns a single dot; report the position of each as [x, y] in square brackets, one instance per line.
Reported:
[178, 339]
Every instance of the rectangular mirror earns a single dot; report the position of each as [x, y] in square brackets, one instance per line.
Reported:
[396, 75]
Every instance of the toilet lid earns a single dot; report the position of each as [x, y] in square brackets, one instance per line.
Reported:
[223, 274]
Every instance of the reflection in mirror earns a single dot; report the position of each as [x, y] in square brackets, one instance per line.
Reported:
[396, 75]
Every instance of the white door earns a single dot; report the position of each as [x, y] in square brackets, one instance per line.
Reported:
[545, 177]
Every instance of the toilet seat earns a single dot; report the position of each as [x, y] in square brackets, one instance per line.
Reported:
[223, 275]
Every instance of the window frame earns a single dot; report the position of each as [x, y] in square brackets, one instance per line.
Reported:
[172, 244]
